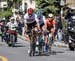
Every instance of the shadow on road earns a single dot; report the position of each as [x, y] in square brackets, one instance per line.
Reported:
[44, 54]
[56, 52]
[19, 46]
[69, 50]
[18, 43]
[48, 53]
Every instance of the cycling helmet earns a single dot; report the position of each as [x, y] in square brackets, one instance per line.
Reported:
[50, 15]
[30, 11]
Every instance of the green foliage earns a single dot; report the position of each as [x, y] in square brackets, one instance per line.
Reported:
[17, 1]
[48, 6]
[6, 13]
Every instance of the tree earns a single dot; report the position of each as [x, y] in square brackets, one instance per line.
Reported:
[48, 6]
[8, 11]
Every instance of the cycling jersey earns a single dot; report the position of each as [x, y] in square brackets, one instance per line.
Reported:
[42, 20]
[50, 23]
[29, 20]
[12, 25]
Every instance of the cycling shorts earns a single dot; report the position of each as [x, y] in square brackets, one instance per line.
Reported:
[31, 25]
[41, 25]
[49, 28]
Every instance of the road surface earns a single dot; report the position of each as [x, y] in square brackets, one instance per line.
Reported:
[19, 53]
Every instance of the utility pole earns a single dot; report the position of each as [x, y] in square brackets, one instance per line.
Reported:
[23, 6]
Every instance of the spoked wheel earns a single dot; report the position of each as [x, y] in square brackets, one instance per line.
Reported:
[11, 42]
[50, 49]
[32, 48]
[50, 42]
[31, 53]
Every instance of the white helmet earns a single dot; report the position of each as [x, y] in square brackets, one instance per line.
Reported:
[50, 15]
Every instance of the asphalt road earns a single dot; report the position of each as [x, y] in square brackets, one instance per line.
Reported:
[19, 53]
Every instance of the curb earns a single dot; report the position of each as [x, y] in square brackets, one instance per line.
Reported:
[55, 44]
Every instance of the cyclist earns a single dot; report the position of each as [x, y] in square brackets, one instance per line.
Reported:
[50, 26]
[12, 25]
[30, 19]
[42, 22]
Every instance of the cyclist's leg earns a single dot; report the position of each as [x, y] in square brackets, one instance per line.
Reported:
[29, 27]
[49, 39]
[32, 39]
[46, 42]
[53, 34]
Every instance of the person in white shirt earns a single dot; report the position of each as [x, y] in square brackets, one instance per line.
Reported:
[12, 26]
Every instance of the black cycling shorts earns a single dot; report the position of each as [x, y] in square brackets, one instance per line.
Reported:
[31, 25]
[49, 28]
[41, 25]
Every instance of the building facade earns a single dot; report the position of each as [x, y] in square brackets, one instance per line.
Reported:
[71, 3]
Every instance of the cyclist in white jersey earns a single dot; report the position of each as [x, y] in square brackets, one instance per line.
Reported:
[30, 19]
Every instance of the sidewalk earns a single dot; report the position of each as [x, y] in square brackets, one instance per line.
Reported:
[60, 44]
[56, 44]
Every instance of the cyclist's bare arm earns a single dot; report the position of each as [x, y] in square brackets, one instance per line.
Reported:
[54, 26]
[25, 26]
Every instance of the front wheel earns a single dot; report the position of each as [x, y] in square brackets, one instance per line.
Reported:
[11, 43]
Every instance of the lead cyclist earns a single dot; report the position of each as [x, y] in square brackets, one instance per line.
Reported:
[30, 21]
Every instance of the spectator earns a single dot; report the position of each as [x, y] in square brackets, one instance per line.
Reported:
[20, 25]
[59, 28]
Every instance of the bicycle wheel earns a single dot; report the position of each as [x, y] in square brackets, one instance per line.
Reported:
[50, 38]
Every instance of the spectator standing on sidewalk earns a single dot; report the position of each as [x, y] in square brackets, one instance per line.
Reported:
[59, 29]
[20, 24]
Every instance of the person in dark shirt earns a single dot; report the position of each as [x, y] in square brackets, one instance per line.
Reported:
[3, 29]
[59, 29]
